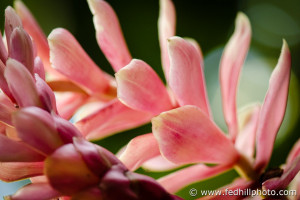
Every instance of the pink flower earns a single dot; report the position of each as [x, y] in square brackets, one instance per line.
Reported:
[61, 163]
[187, 134]
[78, 81]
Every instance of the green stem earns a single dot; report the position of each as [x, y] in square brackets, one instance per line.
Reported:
[245, 169]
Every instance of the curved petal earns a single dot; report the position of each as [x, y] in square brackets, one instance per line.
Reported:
[21, 84]
[138, 150]
[5, 113]
[35, 191]
[36, 127]
[3, 84]
[245, 141]
[231, 63]
[68, 57]
[39, 68]
[186, 135]
[46, 95]
[32, 27]
[21, 48]
[67, 172]
[166, 29]
[111, 118]
[13, 151]
[181, 178]
[3, 50]
[159, 164]
[273, 109]
[109, 34]
[295, 152]
[67, 131]
[13, 171]
[12, 21]
[288, 175]
[140, 88]
[186, 74]
[68, 102]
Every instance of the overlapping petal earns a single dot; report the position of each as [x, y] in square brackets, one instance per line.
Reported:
[79, 66]
[186, 76]
[245, 141]
[179, 179]
[140, 88]
[36, 127]
[21, 84]
[139, 150]
[186, 135]
[111, 118]
[14, 151]
[37, 191]
[12, 21]
[109, 34]
[284, 180]
[273, 109]
[21, 48]
[32, 27]
[13, 171]
[231, 63]
[166, 29]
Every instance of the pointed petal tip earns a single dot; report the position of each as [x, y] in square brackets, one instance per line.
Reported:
[242, 18]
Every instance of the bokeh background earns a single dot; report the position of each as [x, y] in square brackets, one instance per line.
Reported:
[211, 23]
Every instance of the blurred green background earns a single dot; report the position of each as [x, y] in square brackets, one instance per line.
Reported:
[211, 23]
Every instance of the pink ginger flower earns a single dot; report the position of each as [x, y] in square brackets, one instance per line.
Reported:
[62, 164]
[83, 79]
[187, 134]
[78, 81]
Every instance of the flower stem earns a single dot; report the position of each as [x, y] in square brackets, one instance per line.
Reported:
[245, 169]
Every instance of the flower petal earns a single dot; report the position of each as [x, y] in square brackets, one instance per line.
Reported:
[3, 50]
[295, 152]
[159, 164]
[111, 118]
[32, 27]
[36, 127]
[245, 141]
[67, 171]
[13, 171]
[181, 178]
[186, 135]
[186, 74]
[109, 34]
[3, 84]
[46, 95]
[21, 84]
[39, 67]
[140, 88]
[12, 21]
[5, 113]
[288, 175]
[67, 131]
[13, 151]
[68, 57]
[138, 150]
[97, 159]
[35, 191]
[166, 29]
[21, 48]
[273, 109]
[231, 63]
[67, 103]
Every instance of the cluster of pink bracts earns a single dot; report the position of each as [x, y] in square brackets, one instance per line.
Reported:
[46, 82]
